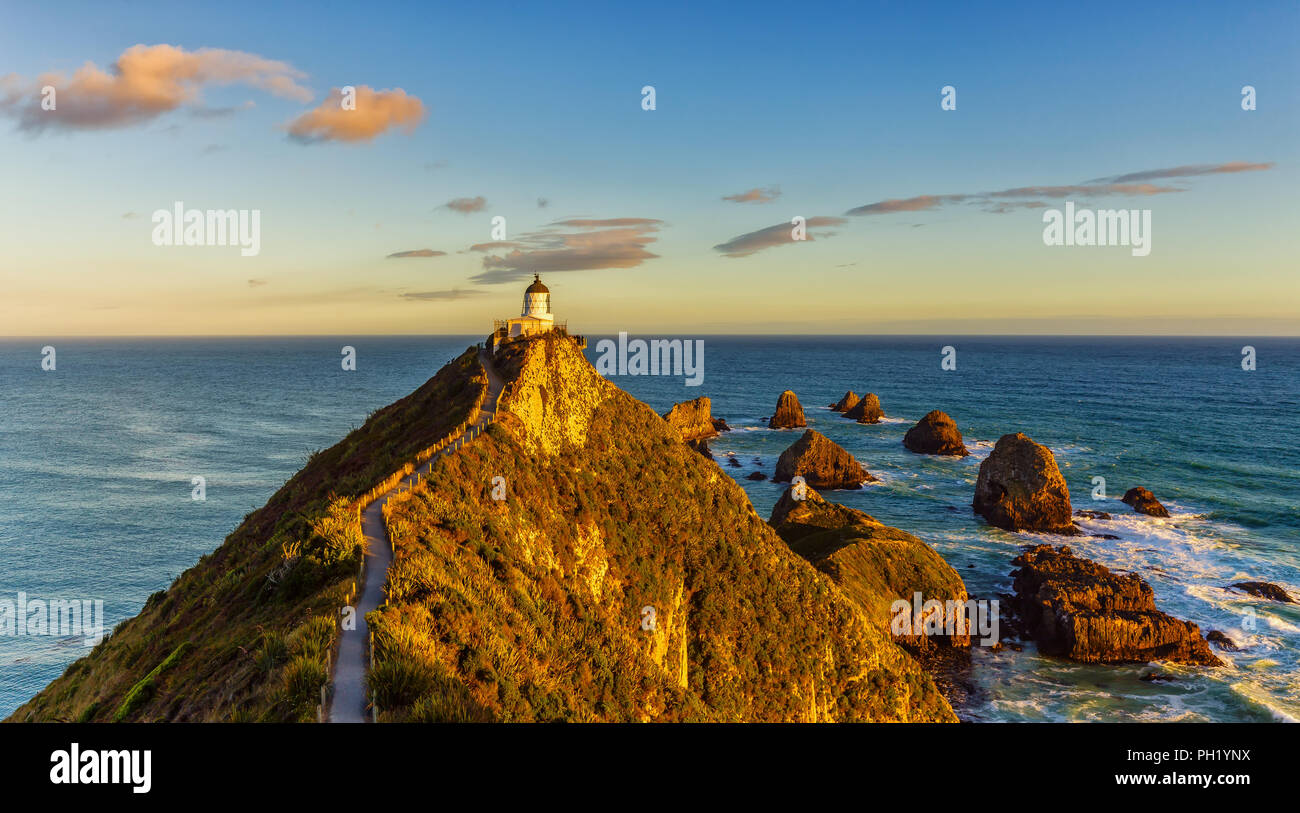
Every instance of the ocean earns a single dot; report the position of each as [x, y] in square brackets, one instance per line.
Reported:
[97, 460]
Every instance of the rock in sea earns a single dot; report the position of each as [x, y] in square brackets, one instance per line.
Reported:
[789, 413]
[1019, 488]
[936, 433]
[821, 462]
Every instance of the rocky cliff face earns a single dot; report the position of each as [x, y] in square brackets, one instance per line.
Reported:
[1019, 488]
[1079, 609]
[874, 564]
[623, 577]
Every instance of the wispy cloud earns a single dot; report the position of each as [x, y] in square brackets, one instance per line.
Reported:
[576, 244]
[441, 296]
[419, 252]
[1188, 171]
[496, 245]
[220, 112]
[782, 234]
[256, 283]
[916, 204]
[376, 112]
[145, 82]
[756, 195]
[467, 205]
[1133, 184]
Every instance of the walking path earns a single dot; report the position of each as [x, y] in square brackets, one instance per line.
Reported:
[348, 705]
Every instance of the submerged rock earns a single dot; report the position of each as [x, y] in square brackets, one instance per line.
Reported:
[1143, 501]
[846, 403]
[1266, 590]
[693, 419]
[756, 475]
[936, 433]
[874, 564]
[866, 410]
[1221, 640]
[789, 413]
[821, 462]
[1078, 609]
[1091, 514]
[719, 425]
[1019, 488]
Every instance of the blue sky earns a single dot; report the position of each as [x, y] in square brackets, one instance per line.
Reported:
[837, 105]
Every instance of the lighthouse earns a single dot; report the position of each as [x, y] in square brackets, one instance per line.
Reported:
[537, 304]
[536, 317]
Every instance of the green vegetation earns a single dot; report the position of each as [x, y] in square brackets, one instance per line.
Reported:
[247, 632]
[530, 609]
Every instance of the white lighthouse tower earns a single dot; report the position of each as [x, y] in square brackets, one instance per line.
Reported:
[536, 316]
[537, 305]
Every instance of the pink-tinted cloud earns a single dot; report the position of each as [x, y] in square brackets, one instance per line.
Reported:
[755, 195]
[496, 245]
[916, 204]
[145, 82]
[375, 113]
[1189, 170]
[1083, 191]
[419, 252]
[598, 244]
[781, 234]
[467, 205]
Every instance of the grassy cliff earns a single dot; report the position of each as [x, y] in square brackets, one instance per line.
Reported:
[535, 607]
[245, 634]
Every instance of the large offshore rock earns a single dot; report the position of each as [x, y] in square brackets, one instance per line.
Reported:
[789, 413]
[1078, 609]
[937, 434]
[821, 462]
[866, 410]
[1019, 488]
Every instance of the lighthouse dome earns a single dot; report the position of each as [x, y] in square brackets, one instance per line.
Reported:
[537, 300]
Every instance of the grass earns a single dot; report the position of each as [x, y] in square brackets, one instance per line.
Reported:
[259, 613]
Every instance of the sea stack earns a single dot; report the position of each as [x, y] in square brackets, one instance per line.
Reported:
[1144, 502]
[867, 410]
[693, 419]
[846, 403]
[789, 413]
[821, 462]
[1080, 610]
[1019, 488]
[936, 433]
